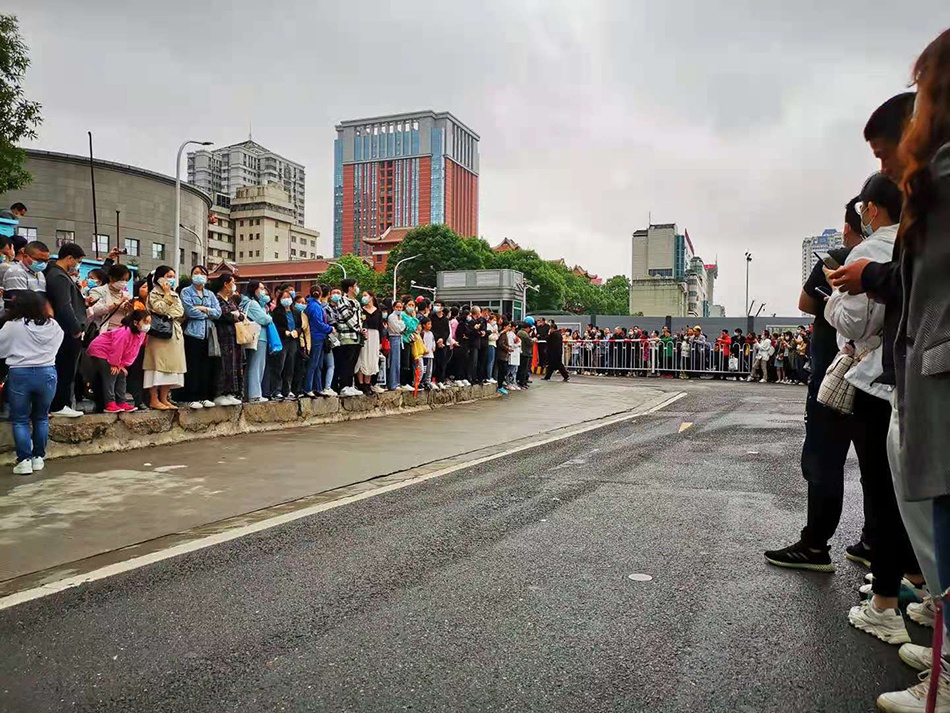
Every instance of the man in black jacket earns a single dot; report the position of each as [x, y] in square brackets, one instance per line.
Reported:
[69, 310]
[440, 332]
[555, 354]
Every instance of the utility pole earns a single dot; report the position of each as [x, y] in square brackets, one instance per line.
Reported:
[748, 262]
[95, 215]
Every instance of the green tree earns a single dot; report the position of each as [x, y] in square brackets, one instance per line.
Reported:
[537, 272]
[436, 248]
[616, 293]
[356, 267]
[19, 117]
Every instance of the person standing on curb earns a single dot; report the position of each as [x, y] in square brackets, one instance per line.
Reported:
[69, 311]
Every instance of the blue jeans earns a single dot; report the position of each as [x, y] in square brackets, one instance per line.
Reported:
[329, 364]
[30, 391]
[395, 361]
[314, 379]
[254, 373]
[491, 361]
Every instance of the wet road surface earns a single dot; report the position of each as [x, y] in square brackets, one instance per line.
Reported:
[503, 587]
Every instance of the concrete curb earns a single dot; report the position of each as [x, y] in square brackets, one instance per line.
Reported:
[107, 433]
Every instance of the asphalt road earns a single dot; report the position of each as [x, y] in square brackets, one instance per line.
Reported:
[503, 587]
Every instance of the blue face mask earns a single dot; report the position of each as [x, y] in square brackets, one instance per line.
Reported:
[286, 302]
[37, 266]
[265, 299]
[365, 301]
[199, 280]
[92, 282]
[293, 293]
[299, 307]
[335, 298]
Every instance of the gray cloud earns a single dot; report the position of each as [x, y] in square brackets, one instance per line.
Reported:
[740, 121]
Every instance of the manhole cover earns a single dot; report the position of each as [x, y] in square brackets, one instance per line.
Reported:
[640, 577]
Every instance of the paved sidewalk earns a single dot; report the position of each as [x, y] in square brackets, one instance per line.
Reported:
[85, 506]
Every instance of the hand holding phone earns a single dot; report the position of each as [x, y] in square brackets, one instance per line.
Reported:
[827, 260]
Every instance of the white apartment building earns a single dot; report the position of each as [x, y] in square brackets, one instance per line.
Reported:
[264, 229]
[828, 240]
[221, 172]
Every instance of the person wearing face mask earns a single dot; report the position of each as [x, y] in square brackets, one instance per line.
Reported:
[226, 374]
[463, 336]
[27, 274]
[304, 346]
[165, 349]
[349, 326]
[201, 310]
[367, 366]
[319, 331]
[409, 335]
[440, 332]
[113, 352]
[333, 339]
[395, 327]
[69, 311]
[111, 302]
[281, 364]
[254, 303]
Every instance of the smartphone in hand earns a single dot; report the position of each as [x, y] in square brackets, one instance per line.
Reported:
[827, 260]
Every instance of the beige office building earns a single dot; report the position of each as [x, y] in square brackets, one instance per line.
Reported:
[262, 218]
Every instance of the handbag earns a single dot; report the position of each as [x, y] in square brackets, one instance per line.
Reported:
[214, 344]
[418, 348]
[273, 340]
[733, 363]
[835, 391]
[247, 332]
[161, 327]
[94, 328]
[333, 340]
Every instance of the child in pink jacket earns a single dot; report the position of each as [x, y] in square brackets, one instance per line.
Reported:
[113, 352]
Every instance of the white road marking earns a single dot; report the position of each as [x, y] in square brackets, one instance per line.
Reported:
[168, 468]
[685, 425]
[111, 570]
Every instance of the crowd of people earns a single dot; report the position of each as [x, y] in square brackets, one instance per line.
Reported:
[206, 340]
[781, 357]
[880, 360]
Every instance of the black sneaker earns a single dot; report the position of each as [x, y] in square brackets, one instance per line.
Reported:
[859, 552]
[798, 556]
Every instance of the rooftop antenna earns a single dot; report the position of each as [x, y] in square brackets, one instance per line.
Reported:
[250, 126]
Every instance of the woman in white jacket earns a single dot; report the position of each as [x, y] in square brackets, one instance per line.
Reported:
[860, 320]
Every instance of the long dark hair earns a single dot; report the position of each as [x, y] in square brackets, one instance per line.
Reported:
[928, 130]
[30, 307]
[157, 274]
[136, 315]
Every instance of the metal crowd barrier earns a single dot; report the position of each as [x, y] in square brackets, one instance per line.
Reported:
[636, 357]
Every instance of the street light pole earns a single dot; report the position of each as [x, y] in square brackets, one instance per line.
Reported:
[748, 261]
[339, 265]
[415, 285]
[181, 148]
[396, 270]
[201, 244]
[526, 287]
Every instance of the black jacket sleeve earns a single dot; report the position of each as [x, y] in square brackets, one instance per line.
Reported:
[883, 280]
[59, 292]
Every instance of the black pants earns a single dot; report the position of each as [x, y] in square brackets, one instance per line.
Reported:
[559, 368]
[542, 354]
[67, 364]
[523, 368]
[441, 362]
[136, 380]
[199, 381]
[824, 452]
[280, 367]
[483, 365]
[345, 357]
[300, 370]
[501, 373]
[471, 371]
[893, 555]
[459, 361]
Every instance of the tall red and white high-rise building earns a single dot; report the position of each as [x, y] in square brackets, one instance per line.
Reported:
[402, 171]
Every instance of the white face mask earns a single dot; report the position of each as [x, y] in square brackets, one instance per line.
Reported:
[145, 328]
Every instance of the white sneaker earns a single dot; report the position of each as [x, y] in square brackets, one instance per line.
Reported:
[291, 396]
[24, 467]
[351, 391]
[377, 389]
[407, 387]
[917, 657]
[922, 613]
[235, 401]
[197, 404]
[66, 412]
[763, 381]
[208, 404]
[222, 401]
[259, 400]
[492, 381]
[38, 464]
[887, 625]
[328, 392]
[914, 699]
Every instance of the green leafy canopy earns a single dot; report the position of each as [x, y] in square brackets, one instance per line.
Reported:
[19, 117]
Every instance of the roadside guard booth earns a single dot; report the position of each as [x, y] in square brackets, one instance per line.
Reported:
[502, 291]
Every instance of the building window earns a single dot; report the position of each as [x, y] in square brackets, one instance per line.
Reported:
[242, 225]
[181, 256]
[65, 236]
[257, 253]
[276, 256]
[158, 251]
[293, 238]
[258, 235]
[101, 244]
[194, 260]
[132, 246]
[293, 253]
[28, 233]
[241, 255]
[240, 236]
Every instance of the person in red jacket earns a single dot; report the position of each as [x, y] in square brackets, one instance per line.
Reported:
[112, 353]
[723, 349]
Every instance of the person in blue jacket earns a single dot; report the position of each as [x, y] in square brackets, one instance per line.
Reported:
[254, 306]
[319, 329]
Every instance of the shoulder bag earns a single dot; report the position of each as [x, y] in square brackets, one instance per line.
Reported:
[247, 332]
[94, 328]
[835, 391]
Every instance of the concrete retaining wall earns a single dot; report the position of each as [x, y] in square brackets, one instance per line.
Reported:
[106, 432]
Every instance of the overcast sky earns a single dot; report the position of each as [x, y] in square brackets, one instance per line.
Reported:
[740, 121]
